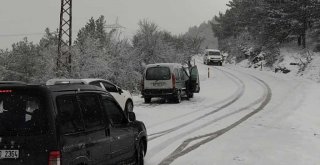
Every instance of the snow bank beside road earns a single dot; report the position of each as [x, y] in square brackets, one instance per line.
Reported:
[289, 56]
[313, 70]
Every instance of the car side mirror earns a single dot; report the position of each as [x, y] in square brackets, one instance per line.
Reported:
[132, 116]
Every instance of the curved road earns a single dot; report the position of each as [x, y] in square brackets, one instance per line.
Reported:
[228, 98]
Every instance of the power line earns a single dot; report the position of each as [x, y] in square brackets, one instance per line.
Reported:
[24, 34]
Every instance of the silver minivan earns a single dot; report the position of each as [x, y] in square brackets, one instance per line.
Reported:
[170, 81]
[212, 56]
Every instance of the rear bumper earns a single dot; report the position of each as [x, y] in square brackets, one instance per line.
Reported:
[158, 92]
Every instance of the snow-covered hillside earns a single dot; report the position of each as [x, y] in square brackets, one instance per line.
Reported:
[296, 61]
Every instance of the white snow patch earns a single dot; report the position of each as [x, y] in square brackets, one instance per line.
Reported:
[313, 69]
[244, 63]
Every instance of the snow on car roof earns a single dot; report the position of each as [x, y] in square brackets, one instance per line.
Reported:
[84, 81]
[164, 64]
[212, 50]
[88, 80]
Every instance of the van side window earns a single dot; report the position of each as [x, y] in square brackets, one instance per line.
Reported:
[91, 110]
[70, 115]
[113, 111]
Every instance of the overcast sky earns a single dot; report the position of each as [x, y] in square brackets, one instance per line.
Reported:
[19, 18]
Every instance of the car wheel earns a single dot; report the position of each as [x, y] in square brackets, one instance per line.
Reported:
[187, 97]
[129, 106]
[147, 99]
[190, 95]
[140, 154]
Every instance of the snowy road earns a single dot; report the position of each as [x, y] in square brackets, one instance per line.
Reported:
[224, 123]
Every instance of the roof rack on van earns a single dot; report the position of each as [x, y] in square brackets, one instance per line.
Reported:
[13, 82]
[64, 81]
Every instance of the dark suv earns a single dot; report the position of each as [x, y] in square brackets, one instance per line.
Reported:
[66, 125]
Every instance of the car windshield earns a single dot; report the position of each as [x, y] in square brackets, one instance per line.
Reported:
[21, 113]
[214, 53]
[158, 73]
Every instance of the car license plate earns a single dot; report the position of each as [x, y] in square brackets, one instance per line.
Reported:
[158, 84]
[9, 154]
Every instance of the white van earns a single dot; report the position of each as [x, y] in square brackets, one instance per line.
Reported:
[169, 81]
[212, 56]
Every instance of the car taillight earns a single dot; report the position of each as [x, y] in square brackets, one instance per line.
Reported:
[6, 91]
[173, 81]
[54, 158]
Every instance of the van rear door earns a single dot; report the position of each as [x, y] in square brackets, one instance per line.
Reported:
[158, 77]
[24, 128]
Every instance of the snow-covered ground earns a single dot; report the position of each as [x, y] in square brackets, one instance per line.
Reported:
[288, 57]
[241, 116]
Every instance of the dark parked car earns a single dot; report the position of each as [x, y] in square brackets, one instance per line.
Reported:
[66, 125]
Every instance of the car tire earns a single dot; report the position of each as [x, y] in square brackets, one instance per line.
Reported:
[129, 106]
[147, 99]
[140, 154]
[190, 95]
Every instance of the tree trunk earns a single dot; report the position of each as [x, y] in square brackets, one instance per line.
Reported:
[303, 37]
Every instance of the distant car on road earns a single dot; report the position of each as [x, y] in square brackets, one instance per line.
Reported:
[67, 124]
[123, 97]
[212, 56]
[169, 81]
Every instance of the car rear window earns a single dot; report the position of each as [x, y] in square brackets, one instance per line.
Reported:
[158, 73]
[22, 113]
[214, 53]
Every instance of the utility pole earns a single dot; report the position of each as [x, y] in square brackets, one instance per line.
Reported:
[116, 28]
[65, 38]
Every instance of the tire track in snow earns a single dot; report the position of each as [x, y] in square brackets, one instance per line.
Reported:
[227, 102]
[163, 145]
[183, 149]
[201, 107]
